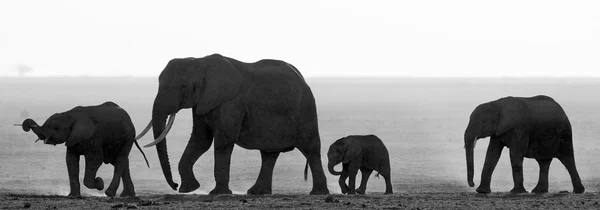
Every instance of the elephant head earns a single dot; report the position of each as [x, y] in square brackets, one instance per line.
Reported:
[343, 150]
[61, 128]
[491, 119]
[199, 83]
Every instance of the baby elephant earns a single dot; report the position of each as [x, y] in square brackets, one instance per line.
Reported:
[366, 153]
[102, 133]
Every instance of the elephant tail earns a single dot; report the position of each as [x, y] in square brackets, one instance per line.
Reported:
[306, 171]
[140, 149]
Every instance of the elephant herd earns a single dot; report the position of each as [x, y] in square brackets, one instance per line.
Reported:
[268, 106]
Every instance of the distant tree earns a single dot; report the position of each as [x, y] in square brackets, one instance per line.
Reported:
[24, 114]
[22, 70]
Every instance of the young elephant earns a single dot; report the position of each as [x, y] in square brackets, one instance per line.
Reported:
[102, 133]
[530, 127]
[366, 153]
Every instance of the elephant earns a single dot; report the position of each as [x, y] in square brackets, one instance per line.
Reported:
[266, 106]
[101, 133]
[531, 127]
[355, 152]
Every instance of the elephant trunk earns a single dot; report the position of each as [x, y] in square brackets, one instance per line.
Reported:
[469, 153]
[469, 147]
[159, 117]
[29, 124]
[330, 166]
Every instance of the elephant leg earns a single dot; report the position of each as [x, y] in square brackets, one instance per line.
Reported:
[120, 164]
[342, 179]
[388, 184]
[222, 166]
[313, 156]
[73, 168]
[199, 143]
[353, 167]
[542, 185]
[265, 177]
[492, 156]
[363, 181]
[569, 163]
[516, 162]
[128, 188]
[92, 164]
[386, 172]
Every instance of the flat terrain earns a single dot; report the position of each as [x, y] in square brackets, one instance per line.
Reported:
[372, 201]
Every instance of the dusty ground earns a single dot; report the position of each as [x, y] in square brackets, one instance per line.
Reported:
[371, 201]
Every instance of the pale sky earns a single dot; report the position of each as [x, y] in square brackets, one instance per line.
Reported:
[322, 38]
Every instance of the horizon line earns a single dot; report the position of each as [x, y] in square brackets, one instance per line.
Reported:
[329, 77]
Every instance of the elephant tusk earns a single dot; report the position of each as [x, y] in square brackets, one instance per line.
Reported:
[33, 126]
[164, 133]
[37, 140]
[144, 131]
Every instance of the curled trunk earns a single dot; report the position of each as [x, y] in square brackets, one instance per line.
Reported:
[30, 124]
[331, 170]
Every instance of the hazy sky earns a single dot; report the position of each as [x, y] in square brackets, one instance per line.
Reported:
[321, 38]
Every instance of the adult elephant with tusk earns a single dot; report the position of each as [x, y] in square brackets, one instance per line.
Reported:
[535, 127]
[265, 106]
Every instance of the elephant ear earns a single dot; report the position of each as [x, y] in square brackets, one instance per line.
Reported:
[221, 83]
[82, 128]
[512, 114]
[353, 150]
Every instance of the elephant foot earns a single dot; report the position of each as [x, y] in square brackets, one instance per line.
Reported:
[481, 189]
[316, 191]
[220, 191]
[187, 187]
[127, 194]
[110, 192]
[518, 190]
[540, 190]
[96, 183]
[344, 189]
[388, 192]
[360, 191]
[99, 183]
[351, 192]
[259, 190]
[471, 184]
[579, 189]
[74, 195]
